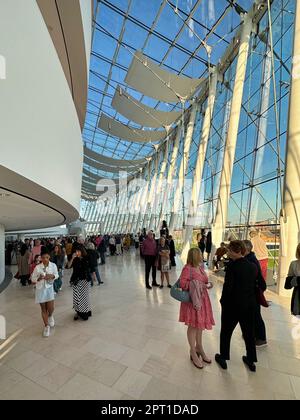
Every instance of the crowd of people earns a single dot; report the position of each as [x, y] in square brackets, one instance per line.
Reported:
[42, 262]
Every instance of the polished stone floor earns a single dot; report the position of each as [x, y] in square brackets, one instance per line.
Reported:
[133, 347]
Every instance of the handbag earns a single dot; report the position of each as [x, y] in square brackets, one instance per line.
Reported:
[17, 275]
[178, 294]
[288, 283]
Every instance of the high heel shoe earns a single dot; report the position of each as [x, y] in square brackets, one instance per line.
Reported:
[208, 361]
[198, 367]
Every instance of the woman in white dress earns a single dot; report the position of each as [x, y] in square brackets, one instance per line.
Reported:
[43, 277]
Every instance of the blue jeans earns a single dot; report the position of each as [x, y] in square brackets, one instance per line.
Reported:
[96, 271]
[58, 282]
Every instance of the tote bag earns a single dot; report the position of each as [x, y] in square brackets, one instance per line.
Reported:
[178, 294]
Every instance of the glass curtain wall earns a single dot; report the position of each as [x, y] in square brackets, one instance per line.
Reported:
[259, 163]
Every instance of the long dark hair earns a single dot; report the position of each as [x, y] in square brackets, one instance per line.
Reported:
[23, 250]
[82, 249]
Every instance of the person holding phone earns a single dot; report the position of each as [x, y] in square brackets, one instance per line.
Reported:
[81, 284]
[43, 277]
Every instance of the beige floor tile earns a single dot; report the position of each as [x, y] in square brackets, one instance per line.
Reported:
[296, 386]
[27, 390]
[105, 349]
[134, 359]
[185, 374]
[39, 368]
[156, 347]
[287, 365]
[158, 389]
[80, 387]
[283, 397]
[87, 363]
[157, 367]
[56, 378]
[132, 383]
[272, 380]
[127, 398]
[24, 360]
[107, 372]
[8, 379]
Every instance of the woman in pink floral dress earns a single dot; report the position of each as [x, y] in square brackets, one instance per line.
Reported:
[197, 315]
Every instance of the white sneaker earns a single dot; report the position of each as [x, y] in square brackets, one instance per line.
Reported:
[46, 332]
[51, 321]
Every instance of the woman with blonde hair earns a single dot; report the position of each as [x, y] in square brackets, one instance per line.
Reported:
[197, 317]
[293, 281]
[164, 263]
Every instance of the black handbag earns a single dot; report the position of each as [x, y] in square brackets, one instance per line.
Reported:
[288, 283]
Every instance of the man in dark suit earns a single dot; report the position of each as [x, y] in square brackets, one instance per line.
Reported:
[238, 303]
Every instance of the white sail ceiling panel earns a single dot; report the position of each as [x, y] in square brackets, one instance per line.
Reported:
[117, 129]
[117, 163]
[141, 114]
[106, 168]
[151, 80]
[101, 166]
[91, 175]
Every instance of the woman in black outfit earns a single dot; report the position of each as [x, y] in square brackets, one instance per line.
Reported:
[172, 250]
[208, 245]
[80, 283]
[201, 242]
[164, 231]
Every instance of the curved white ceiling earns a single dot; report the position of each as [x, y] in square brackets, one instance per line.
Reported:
[117, 129]
[151, 80]
[21, 212]
[141, 114]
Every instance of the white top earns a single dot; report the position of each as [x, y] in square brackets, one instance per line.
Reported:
[112, 241]
[39, 270]
[259, 247]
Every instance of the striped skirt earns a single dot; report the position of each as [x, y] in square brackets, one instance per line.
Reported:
[81, 299]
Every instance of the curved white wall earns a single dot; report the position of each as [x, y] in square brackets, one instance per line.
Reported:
[40, 136]
[86, 7]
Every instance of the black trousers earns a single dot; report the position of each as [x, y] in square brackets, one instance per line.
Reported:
[172, 260]
[150, 261]
[102, 256]
[260, 328]
[25, 279]
[229, 319]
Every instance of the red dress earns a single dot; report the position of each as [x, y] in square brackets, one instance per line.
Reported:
[202, 319]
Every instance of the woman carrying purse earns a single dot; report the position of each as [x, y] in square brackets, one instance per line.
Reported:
[197, 314]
